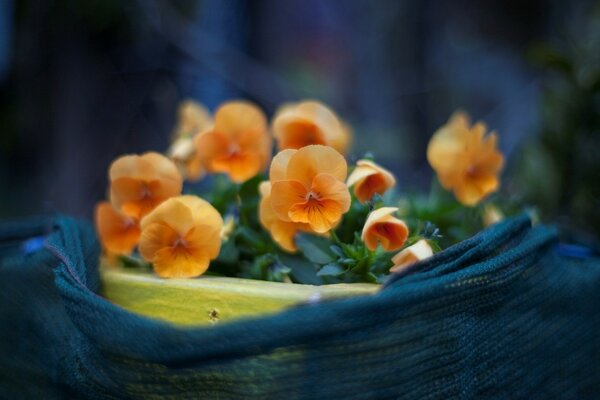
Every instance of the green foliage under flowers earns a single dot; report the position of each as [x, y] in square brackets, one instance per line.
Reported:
[248, 251]
[340, 257]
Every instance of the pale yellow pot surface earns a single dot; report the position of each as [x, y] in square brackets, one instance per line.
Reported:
[208, 299]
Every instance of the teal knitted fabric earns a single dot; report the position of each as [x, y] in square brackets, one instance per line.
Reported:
[502, 315]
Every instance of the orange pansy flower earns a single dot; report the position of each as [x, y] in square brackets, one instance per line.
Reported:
[382, 227]
[465, 159]
[118, 233]
[183, 154]
[410, 255]
[307, 186]
[140, 183]
[238, 144]
[282, 232]
[192, 119]
[181, 236]
[369, 178]
[301, 124]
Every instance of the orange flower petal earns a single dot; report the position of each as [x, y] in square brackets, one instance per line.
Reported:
[194, 169]
[175, 213]
[181, 149]
[343, 141]
[446, 148]
[308, 188]
[183, 154]
[136, 198]
[181, 236]
[309, 161]
[203, 213]
[156, 236]
[178, 263]
[459, 120]
[259, 144]
[465, 159]
[266, 214]
[284, 195]
[238, 144]
[472, 192]
[279, 164]
[192, 117]
[236, 118]
[282, 232]
[306, 123]
[383, 228]
[148, 166]
[264, 188]
[240, 167]
[368, 179]
[360, 173]
[118, 233]
[316, 215]
[299, 133]
[327, 188]
[417, 252]
[324, 211]
[139, 183]
[211, 145]
[204, 240]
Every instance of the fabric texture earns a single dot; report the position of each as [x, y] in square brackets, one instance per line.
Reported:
[502, 315]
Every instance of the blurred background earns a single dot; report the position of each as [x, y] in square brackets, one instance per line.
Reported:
[82, 82]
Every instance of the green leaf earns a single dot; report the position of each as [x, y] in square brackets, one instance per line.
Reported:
[134, 261]
[250, 187]
[314, 248]
[278, 273]
[550, 58]
[229, 253]
[302, 271]
[331, 270]
[372, 278]
[337, 250]
[250, 237]
[434, 246]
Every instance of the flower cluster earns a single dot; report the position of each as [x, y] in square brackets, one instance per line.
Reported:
[178, 234]
[312, 215]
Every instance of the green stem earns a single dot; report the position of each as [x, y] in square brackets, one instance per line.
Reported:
[335, 237]
[368, 261]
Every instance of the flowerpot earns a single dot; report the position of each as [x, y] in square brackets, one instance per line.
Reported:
[209, 299]
[503, 314]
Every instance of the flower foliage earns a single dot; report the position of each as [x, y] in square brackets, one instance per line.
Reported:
[298, 217]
